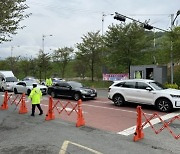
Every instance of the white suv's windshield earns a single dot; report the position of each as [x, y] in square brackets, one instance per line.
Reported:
[11, 79]
[157, 85]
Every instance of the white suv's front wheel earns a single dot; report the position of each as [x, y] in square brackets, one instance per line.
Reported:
[118, 100]
[164, 105]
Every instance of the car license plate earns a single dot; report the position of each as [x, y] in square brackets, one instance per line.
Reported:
[92, 94]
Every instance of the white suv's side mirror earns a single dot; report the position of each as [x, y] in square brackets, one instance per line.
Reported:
[149, 88]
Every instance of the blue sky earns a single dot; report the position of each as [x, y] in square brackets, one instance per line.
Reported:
[69, 20]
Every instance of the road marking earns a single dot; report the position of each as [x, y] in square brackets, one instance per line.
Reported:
[131, 130]
[103, 102]
[113, 109]
[45, 99]
[66, 143]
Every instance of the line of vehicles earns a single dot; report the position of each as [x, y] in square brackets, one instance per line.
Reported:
[141, 91]
[72, 89]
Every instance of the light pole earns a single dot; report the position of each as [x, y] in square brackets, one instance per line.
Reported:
[43, 56]
[103, 16]
[172, 63]
[12, 47]
[43, 37]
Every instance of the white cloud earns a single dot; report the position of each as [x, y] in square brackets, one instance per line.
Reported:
[69, 20]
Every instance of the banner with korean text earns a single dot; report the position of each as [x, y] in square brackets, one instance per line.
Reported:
[114, 77]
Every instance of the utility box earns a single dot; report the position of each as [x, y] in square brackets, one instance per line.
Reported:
[154, 72]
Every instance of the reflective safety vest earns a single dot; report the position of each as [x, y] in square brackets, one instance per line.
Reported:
[138, 75]
[50, 82]
[47, 82]
[35, 95]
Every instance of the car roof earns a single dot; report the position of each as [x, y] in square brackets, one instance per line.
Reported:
[28, 81]
[29, 77]
[56, 78]
[72, 82]
[135, 80]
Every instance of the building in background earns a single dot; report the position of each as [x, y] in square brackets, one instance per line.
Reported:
[154, 72]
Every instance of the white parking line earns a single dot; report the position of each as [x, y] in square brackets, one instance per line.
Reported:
[132, 130]
[65, 145]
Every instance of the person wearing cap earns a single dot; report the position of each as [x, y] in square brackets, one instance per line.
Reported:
[35, 97]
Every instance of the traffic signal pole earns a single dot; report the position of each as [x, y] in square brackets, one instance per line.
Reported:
[121, 17]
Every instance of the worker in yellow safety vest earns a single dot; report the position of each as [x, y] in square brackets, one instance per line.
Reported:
[35, 97]
[47, 82]
[50, 82]
[138, 75]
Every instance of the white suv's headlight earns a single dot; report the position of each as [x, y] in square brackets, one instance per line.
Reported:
[175, 96]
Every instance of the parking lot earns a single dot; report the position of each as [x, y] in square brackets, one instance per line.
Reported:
[108, 129]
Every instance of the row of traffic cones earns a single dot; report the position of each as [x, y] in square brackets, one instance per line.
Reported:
[50, 115]
[22, 108]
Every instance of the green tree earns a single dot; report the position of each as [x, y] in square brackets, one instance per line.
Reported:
[11, 13]
[125, 45]
[34, 68]
[43, 62]
[61, 57]
[175, 35]
[12, 64]
[79, 67]
[24, 64]
[89, 51]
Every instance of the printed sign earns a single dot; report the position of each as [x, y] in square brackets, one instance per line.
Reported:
[114, 77]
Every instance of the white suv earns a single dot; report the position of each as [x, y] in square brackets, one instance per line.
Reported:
[144, 92]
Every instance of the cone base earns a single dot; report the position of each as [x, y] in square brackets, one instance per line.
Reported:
[138, 137]
[50, 117]
[4, 107]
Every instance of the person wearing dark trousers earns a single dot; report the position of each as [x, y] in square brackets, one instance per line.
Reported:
[35, 97]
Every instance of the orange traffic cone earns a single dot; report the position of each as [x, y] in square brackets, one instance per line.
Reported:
[50, 114]
[4, 106]
[139, 130]
[80, 119]
[23, 108]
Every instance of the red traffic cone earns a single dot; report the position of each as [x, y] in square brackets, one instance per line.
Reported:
[50, 114]
[23, 108]
[139, 130]
[80, 119]
[4, 106]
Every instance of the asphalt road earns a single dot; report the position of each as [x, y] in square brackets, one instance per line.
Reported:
[23, 134]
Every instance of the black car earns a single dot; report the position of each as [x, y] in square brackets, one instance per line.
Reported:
[71, 89]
